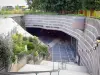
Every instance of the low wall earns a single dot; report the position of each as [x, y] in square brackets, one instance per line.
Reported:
[17, 66]
[19, 20]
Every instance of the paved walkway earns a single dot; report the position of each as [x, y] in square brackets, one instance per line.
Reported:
[62, 52]
[59, 50]
[29, 67]
[53, 42]
[70, 70]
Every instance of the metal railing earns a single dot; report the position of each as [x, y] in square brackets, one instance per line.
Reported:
[61, 65]
[29, 72]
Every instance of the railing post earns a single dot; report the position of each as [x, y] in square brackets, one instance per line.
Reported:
[58, 64]
[52, 58]
[62, 64]
[50, 73]
[58, 72]
[53, 65]
[65, 64]
[36, 73]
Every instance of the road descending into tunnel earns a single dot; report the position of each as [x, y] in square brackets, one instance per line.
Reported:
[60, 50]
[59, 43]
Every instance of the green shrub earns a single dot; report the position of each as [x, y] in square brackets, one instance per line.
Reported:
[5, 53]
[30, 46]
[39, 12]
[18, 45]
[3, 12]
[30, 39]
[36, 53]
[34, 47]
[98, 18]
[25, 38]
[75, 14]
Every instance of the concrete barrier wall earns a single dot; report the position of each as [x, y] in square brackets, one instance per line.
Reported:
[19, 20]
[17, 66]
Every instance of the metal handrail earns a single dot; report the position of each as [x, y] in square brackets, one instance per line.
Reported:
[62, 62]
[29, 72]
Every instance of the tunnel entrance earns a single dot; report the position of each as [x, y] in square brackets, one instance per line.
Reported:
[62, 46]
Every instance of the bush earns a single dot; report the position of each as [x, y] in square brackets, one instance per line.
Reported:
[39, 12]
[11, 12]
[98, 18]
[30, 46]
[5, 53]
[18, 45]
[34, 47]
[36, 53]
[25, 38]
[30, 39]
[75, 14]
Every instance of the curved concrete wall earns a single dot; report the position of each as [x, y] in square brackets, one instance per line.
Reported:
[88, 56]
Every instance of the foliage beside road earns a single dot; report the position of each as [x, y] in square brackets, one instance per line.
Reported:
[5, 51]
[27, 45]
[89, 8]
[63, 6]
[3, 12]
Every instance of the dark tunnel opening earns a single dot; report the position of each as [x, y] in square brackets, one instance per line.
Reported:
[50, 33]
[47, 36]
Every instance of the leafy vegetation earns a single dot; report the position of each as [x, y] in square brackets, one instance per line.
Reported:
[3, 12]
[89, 8]
[63, 6]
[11, 10]
[39, 12]
[57, 6]
[34, 47]
[4, 54]
[90, 4]
[98, 18]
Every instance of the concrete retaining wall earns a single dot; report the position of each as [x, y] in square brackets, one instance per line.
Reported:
[19, 20]
[17, 66]
[90, 57]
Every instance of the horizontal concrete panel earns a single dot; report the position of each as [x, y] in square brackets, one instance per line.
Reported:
[94, 22]
[91, 29]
